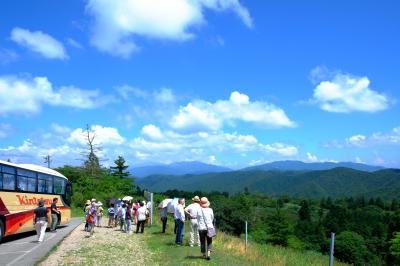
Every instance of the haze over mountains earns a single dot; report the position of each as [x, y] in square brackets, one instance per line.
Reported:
[178, 168]
[336, 183]
[193, 167]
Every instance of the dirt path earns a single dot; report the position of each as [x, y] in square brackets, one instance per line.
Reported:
[109, 247]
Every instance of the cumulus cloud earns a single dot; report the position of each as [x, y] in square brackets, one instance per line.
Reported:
[27, 95]
[40, 43]
[200, 115]
[356, 140]
[67, 145]
[280, 148]
[117, 24]
[311, 158]
[376, 139]
[345, 93]
[152, 131]
[103, 136]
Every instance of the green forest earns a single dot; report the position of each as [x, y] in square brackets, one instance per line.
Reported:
[367, 228]
[336, 183]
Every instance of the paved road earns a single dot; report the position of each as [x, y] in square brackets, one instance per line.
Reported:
[21, 249]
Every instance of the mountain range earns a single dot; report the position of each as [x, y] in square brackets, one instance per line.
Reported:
[335, 183]
[178, 168]
[302, 166]
[193, 167]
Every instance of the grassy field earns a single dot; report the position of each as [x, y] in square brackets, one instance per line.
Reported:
[228, 250]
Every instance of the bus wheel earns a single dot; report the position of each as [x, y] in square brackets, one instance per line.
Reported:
[1, 230]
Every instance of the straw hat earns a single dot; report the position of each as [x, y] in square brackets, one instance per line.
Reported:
[99, 204]
[204, 203]
[93, 200]
[88, 202]
[196, 199]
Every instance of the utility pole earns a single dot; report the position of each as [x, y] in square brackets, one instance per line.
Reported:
[48, 160]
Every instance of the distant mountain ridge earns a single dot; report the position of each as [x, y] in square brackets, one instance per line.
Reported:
[335, 183]
[302, 166]
[178, 168]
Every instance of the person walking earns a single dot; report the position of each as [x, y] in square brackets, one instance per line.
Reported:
[192, 211]
[180, 221]
[164, 218]
[91, 219]
[54, 215]
[40, 220]
[141, 218]
[111, 217]
[205, 219]
[100, 213]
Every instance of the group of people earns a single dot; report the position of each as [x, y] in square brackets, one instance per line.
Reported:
[41, 218]
[124, 214]
[121, 213]
[201, 221]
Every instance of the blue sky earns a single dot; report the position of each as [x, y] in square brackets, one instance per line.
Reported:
[228, 82]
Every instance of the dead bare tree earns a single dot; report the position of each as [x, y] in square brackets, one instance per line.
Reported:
[92, 162]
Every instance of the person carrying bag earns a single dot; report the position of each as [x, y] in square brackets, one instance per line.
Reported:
[207, 231]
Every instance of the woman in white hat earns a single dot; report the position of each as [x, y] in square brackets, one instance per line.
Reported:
[205, 219]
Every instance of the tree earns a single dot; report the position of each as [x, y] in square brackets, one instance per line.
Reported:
[92, 163]
[395, 247]
[278, 229]
[350, 247]
[304, 212]
[119, 168]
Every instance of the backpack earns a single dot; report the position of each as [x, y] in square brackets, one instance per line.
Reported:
[90, 219]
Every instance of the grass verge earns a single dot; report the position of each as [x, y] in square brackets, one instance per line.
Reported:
[228, 250]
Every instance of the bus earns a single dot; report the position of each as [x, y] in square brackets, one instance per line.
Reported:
[21, 188]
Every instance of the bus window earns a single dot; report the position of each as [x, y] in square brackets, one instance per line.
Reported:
[59, 186]
[45, 184]
[1, 179]
[26, 180]
[8, 181]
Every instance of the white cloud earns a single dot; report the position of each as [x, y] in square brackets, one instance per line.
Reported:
[311, 157]
[376, 139]
[117, 24]
[346, 93]
[196, 119]
[356, 140]
[125, 91]
[164, 95]
[103, 136]
[205, 116]
[280, 148]
[212, 159]
[66, 145]
[40, 43]
[152, 132]
[27, 95]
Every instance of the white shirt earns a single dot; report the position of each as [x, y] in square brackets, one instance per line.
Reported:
[179, 213]
[193, 209]
[141, 212]
[205, 218]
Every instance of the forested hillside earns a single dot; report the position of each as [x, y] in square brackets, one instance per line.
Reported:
[337, 182]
